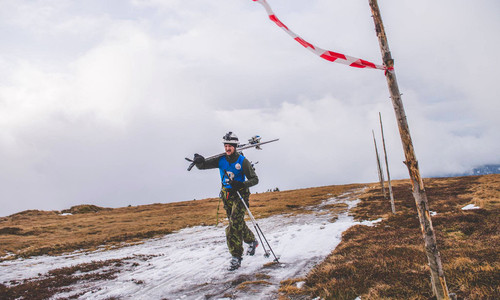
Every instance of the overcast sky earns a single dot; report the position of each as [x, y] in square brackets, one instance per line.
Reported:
[100, 101]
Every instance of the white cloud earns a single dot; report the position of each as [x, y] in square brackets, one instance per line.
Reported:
[101, 102]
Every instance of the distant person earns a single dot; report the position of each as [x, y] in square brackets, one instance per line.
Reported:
[238, 168]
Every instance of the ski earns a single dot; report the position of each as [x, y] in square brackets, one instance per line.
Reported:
[254, 142]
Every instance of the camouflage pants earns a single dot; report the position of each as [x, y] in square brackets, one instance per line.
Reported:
[237, 231]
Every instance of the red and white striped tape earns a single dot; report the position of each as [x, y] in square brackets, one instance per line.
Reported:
[328, 55]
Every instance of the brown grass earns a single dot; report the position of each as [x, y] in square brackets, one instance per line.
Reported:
[387, 261]
[248, 285]
[34, 232]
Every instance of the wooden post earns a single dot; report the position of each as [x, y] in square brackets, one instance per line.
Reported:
[380, 173]
[393, 207]
[419, 194]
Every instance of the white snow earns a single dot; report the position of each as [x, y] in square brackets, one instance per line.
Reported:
[191, 264]
[470, 206]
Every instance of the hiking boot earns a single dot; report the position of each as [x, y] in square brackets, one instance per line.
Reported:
[251, 248]
[234, 264]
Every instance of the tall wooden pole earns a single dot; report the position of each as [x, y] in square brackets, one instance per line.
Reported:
[393, 207]
[380, 173]
[436, 268]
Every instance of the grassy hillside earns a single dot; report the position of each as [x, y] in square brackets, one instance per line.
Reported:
[386, 261]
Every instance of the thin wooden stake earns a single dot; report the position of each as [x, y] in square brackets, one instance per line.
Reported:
[380, 173]
[393, 207]
[436, 267]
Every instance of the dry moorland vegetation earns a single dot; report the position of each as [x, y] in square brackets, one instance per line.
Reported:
[386, 261]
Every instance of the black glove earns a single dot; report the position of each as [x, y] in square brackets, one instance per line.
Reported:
[237, 185]
[198, 159]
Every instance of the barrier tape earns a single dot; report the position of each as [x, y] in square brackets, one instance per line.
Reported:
[325, 54]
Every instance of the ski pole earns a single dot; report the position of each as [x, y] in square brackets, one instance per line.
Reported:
[255, 225]
[257, 229]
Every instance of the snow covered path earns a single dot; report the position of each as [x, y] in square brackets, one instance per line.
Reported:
[191, 264]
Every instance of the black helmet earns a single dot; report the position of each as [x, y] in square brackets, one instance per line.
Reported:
[230, 138]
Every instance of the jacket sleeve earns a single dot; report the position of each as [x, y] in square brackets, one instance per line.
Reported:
[250, 174]
[209, 164]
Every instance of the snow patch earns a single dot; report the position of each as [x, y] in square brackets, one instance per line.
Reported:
[470, 207]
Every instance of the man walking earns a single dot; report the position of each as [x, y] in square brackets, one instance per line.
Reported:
[237, 175]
